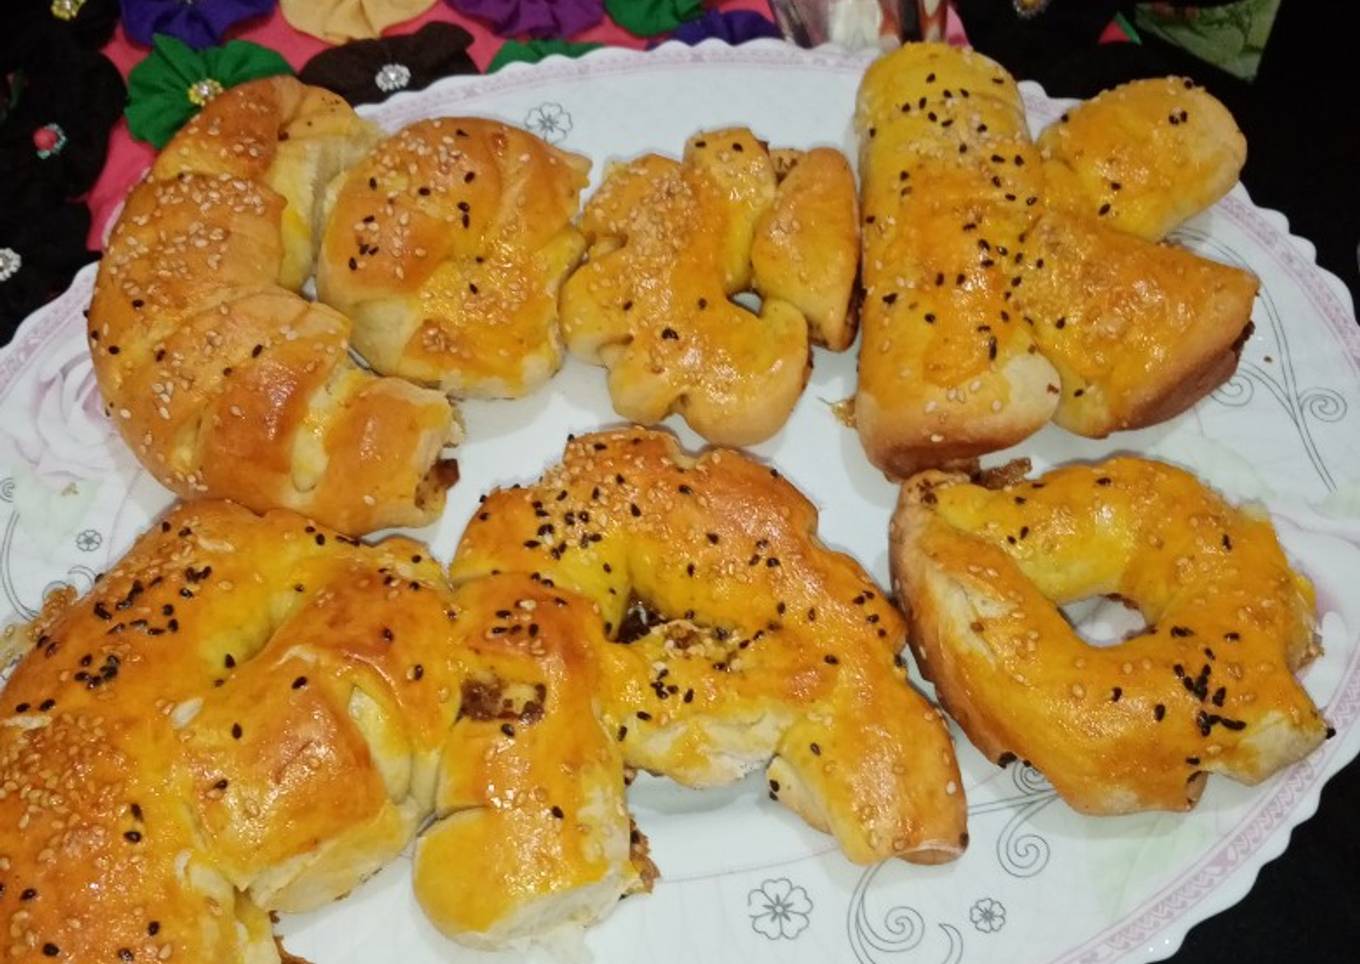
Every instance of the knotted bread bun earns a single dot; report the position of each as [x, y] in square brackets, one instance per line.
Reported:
[1000, 292]
[447, 245]
[222, 380]
[253, 714]
[672, 241]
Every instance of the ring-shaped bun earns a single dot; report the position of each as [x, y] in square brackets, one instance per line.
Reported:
[738, 640]
[1207, 687]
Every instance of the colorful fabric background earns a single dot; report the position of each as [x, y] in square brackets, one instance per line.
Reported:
[129, 158]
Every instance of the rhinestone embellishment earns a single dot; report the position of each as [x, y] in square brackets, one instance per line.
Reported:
[66, 9]
[10, 263]
[392, 77]
[202, 91]
[48, 140]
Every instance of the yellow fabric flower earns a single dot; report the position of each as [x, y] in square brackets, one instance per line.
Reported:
[336, 21]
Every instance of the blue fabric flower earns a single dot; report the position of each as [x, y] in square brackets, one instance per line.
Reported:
[199, 23]
[736, 27]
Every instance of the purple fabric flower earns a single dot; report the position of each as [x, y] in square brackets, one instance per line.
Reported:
[534, 18]
[736, 27]
[199, 23]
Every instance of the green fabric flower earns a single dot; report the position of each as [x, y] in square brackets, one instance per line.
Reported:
[174, 81]
[646, 18]
[531, 52]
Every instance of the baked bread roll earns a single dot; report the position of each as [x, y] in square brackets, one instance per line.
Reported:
[1207, 687]
[737, 640]
[1138, 332]
[1144, 156]
[223, 381]
[989, 310]
[534, 833]
[254, 714]
[231, 723]
[672, 241]
[447, 245]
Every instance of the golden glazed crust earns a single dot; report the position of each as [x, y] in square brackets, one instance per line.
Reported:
[738, 640]
[255, 714]
[1207, 687]
[224, 382]
[447, 245]
[989, 307]
[672, 241]
[1156, 151]
[534, 831]
[178, 727]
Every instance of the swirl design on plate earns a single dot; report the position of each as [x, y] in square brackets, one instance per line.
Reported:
[1303, 406]
[903, 929]
[1020, 851]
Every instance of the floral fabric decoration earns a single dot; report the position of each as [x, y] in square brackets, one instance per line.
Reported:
[736, 27]
[58, 103]
[336, 21]
[533, 51]
[647, 18]
[199, 23]
[42, 246]
[173, 82]
[369, 71]
[87, 23]
[534, 18]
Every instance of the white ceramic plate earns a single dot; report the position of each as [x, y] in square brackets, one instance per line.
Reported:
[743, 879]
